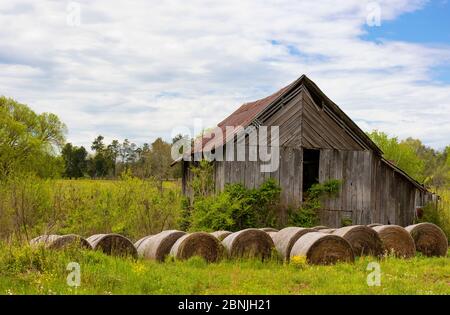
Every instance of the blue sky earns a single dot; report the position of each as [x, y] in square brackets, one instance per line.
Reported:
[429, 25]
[144, 69]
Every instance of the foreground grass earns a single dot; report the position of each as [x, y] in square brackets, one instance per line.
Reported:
[37, 271]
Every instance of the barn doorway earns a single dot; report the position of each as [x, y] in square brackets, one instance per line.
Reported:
[311, 159]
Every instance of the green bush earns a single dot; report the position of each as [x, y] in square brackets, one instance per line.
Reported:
[236, 208]
[307, 215]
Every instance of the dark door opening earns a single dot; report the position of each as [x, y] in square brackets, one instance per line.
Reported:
[311, 159]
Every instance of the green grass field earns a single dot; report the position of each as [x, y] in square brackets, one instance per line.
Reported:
[37, 271]
[135, 208]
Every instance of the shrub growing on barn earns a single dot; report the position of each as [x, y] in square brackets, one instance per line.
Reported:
[236, 208]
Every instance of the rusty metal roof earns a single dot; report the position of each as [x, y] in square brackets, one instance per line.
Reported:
[248, 111]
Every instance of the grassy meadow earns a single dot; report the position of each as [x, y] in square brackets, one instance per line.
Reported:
[30, 207]
[37, 271]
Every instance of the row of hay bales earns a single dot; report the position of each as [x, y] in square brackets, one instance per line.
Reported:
[319, 245]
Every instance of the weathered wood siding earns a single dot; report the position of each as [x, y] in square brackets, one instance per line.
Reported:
[393, 196]
[353, 202]
[248, 173]
[372, 191]
[320, 130]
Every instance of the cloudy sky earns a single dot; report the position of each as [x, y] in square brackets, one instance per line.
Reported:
[138, 69]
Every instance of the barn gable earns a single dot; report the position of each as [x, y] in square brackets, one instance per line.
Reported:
[306, 116]
[321, 130]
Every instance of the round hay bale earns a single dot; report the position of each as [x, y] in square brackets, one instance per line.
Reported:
[322, 249]
[113, 244]
[320, 227]
[268, 229]
[364, 240]
[249, 243]
[327, 231]
[374, 225]
[199, 244]
[140, 241]
[429, 239]
[220, 235]
[64, 241]
[158, 246]
[286, 238]
[54, 241]
[43, 239]
[272, 234]
[396, 239]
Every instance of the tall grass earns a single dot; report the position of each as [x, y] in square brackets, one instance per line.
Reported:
[24, 270]
[30, 206]
[439, 215]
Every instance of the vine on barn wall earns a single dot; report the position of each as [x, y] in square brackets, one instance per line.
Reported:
[307, 215]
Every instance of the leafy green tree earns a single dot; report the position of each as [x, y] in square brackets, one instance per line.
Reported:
[436, 170]
[29, 142]
[160, 159]
[400, 153]
[101, 164]
[128, 152]
[113, 153]
[98, 145]
[74, 160]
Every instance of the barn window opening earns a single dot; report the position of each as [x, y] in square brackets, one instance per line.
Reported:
[310, 168]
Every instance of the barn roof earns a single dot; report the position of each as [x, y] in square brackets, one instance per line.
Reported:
[244, 115]
[249, 112]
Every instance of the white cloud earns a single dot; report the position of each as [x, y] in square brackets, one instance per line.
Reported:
[136, 69]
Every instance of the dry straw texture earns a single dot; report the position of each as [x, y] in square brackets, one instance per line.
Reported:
[396, 240]
[249, 243]
[269, 229]
[320, 227]
[374, 225]
[113, 244]
[199, 244]
[429, 239]
[286, 238]
[322, 249]
[328, 231]
[158, 246]
[138, 243]
[61, 241]
[272, 234]
[364, 240]
[220, 235]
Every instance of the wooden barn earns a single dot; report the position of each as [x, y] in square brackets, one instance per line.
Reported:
[318, 142]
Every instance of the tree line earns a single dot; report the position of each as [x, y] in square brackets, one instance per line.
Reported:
[36, 143]
[425, 164]
[111, 160]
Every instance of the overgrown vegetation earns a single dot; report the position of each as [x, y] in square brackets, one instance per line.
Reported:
[30, 206]
[236, 208]
[24, 270]
[307, 215]
[439, 215]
